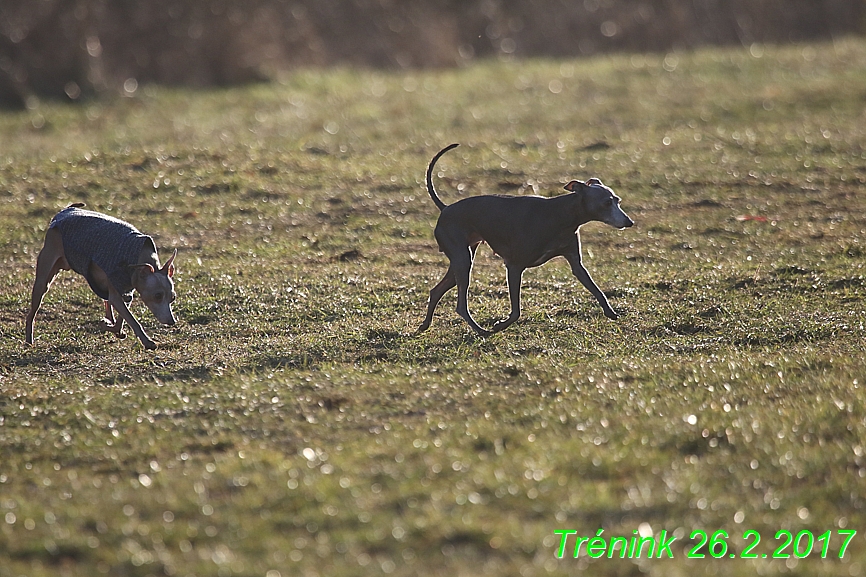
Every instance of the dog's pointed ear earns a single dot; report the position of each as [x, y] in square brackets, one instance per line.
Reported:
[168, 267]
[594, 182]
[574, 185]
[140, 269]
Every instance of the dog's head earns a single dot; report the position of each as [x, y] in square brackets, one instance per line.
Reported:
[599, 203]
[156, 289]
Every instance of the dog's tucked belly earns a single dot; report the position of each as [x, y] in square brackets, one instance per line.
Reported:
[545, 257]
[513, 256]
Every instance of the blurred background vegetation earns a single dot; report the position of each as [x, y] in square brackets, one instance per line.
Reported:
[71, 49]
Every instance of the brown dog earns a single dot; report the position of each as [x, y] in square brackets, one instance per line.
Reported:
[115, 258]
[526, 231]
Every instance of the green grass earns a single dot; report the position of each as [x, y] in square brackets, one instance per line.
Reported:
[293, 423]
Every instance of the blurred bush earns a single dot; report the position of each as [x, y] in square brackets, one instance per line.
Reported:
[76, 48]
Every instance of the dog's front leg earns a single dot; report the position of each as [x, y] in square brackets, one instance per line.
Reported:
[514, 275]
[582, 275]
[124, 314]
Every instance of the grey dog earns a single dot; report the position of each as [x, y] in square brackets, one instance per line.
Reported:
[526, 231]
[115, 258]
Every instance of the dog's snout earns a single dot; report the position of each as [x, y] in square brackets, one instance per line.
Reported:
[168, 318]
[620, 221]
[163, 314]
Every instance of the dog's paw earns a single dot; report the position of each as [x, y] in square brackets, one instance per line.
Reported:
[611, 314]
[149, 345]
[113, 328]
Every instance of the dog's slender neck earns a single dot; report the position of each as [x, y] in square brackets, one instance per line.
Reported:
[576, 208]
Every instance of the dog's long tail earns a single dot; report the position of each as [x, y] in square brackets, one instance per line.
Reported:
[436, 200]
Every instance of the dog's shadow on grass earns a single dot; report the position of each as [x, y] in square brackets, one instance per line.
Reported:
[48, 350]
[42, 358]
[306, 359]
[383, 345]
[375, 345]
[194, 373]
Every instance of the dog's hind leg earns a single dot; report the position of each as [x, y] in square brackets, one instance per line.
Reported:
[514, 276]
[447, 283]
[461, 265]
[50, 261]
[110, 325]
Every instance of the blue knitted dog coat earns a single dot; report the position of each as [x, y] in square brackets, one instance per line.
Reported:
[109, 242]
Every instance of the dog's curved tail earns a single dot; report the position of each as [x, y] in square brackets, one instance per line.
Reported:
[436, 200]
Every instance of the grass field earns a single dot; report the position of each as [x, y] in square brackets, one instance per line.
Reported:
[292, 423]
